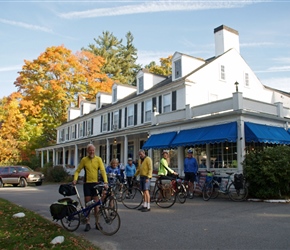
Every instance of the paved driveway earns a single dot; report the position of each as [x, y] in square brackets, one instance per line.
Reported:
[216, 224]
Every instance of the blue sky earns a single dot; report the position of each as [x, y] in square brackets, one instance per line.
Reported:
[160, 28]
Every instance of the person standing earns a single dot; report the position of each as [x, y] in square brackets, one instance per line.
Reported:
[91, 164]
[190, 171]
[203, 163]
[164, 169]
[145, 171]
[130, 171]
[113, 171]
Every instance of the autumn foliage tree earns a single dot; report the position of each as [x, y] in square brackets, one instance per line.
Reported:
[51, 83]
[15, 132]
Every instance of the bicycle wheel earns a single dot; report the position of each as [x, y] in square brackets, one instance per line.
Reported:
[72, 219]
[165, 198]
[108, 221]
[208, 190]
[118, 191]
[237, 194]
[111, 202]
[132, 198]
[182, 194]
[215, 191]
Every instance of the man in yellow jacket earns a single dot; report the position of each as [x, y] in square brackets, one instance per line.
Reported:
[145, 171]
[91, 165]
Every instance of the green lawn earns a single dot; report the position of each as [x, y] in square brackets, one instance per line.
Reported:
[34, 231]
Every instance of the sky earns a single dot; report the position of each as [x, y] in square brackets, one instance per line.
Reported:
[160, 28]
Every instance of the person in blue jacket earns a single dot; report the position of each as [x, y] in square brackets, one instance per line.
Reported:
[130, 171]
[113, 172]
[190, 171]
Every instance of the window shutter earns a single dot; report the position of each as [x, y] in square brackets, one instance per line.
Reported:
[125, 117]
[101, 124]
[108, 125]
[153, 104]
[142, 112]
[160, 104]
[120, 118]
[92, 126]
[135, 114]
[173, 101]
[112, 120]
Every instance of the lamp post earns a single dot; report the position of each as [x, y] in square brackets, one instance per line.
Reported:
[237, 86]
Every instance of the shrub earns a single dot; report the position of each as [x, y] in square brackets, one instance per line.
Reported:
[268, 172]
[56, 174]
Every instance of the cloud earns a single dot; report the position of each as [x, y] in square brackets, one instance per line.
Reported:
[11, 68]
[25, 25]
[146, 57]
[278, 83]
[156, 6]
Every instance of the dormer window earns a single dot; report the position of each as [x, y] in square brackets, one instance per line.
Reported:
[141, 84]
[114, 95]
[177, 66]
[82, 109]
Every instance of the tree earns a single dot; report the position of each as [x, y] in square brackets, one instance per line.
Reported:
[51, 83]
[13, 130]
[165, 67]
[120, 60]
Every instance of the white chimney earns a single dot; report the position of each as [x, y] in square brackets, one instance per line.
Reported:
[226, 38]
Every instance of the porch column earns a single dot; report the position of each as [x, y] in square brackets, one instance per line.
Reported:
[76, 162]
[108, 152]
[180, 160]
[241, 143]
[125, 145]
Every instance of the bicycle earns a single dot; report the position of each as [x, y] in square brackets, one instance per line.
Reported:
[180, 189]
[107, 219]
[213, 188]
[132, 197]
[163, 194]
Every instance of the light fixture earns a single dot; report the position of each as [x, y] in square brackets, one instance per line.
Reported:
[148, 135]
[115, 141]
[237, 86]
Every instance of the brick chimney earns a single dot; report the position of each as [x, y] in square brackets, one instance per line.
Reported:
[226, 38]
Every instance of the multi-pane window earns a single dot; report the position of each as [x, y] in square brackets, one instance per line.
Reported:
[141, 84]
[67, 134]
[148, 108]
[89, 132]
[166, 103]
[115, 120]
[105, 123]
[61, 135]
[177, 66]
[114, 94]
[222, 72]
[130, 115]
[247, 80]
[81, 129]
[73, 132]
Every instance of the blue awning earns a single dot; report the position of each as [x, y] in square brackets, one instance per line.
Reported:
[206, 135]
[266, 134]
[159, 140]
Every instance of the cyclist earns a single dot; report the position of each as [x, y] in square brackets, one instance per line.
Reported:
[190, 171]
[164, 170]
[91, 165]
[130, 170]
[145, 171]
[113, 171]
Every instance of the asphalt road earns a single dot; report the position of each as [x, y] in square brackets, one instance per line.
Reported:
[197, 224]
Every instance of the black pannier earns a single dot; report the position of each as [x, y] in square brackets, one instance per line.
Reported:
[67, 190]
[238, 181]
[59, 209]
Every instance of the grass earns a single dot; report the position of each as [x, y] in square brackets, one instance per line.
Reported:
[34, 231]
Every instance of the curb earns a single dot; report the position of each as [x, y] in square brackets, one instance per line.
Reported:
[271, 201]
